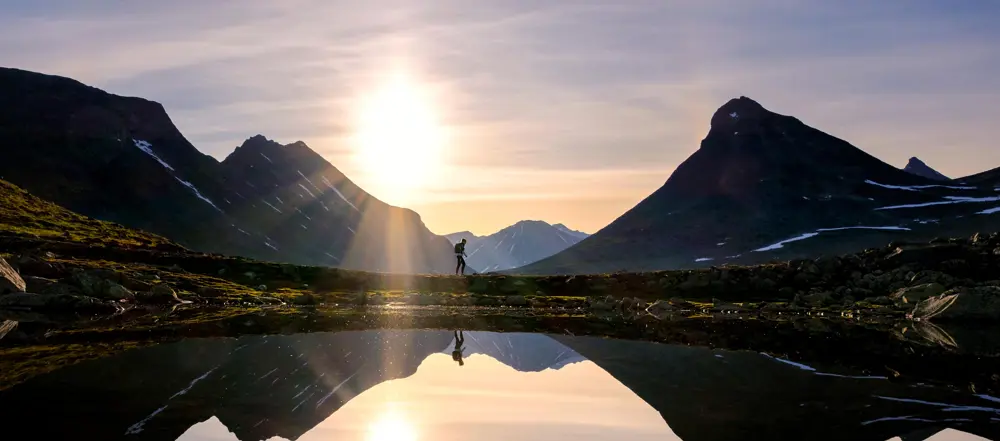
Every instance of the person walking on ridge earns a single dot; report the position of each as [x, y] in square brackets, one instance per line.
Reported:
[459, 350]
[460, 254]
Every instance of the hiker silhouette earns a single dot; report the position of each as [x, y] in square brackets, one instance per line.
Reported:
[460, 254]
[457, 353]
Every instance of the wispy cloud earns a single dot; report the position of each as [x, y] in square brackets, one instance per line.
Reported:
[540, 92]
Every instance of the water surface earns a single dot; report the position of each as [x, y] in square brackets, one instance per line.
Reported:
[406, 384]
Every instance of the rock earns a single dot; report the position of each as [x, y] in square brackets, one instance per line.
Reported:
[38, 284]
[726, 307]
[261, 287]
[91, 283]
[305, 299]
[917, 293]
[10, 280]
[118, 292]
[486, 301]
[880, 300]
[601, 305]
[516, 301]
[250, 275]
[56, 302]
[6, 326]
[815, 299]
[221, 272]
[160, 294]
[660, 308]
[976, 303]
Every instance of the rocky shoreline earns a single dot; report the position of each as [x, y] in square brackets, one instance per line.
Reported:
[945, 279]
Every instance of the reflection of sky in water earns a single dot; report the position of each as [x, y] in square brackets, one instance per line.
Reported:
[485, 400]
[949, 435]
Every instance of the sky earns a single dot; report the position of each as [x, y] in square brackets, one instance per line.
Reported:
[564, 111]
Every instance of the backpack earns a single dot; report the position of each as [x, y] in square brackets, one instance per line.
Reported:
[459, 248]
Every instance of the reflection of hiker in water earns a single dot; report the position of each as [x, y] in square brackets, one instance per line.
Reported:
[457, 353]
[460, 254]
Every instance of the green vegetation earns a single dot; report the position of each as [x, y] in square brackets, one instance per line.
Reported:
[26, 216]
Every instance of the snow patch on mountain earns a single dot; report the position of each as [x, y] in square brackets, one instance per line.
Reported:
[197, 193]
[307, 191]
[781, 244]
[328, 184]
[917, 187]
[148, 148]
[309, 181]
[272, 206]
[268, 159]
[959, 200]
[703, 259]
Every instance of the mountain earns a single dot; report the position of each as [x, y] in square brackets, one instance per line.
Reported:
[765, 186]
[121, 159]
[710, 395]
[257, 386]
[516, 245]
[522, 351]
[917, 167]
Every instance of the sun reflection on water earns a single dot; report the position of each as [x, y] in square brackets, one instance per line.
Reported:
[392, 425]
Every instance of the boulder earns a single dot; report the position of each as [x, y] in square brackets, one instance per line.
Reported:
[6, 326]
[660, 308]
[917, 293]
[56, 302]
[975, 303]
[261, 287]
[160, 294]
[10, 280]
[516, 301]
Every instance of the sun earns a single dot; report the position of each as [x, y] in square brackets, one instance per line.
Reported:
[399, 140]
[391, 426]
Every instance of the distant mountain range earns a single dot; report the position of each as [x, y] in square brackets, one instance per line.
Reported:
[121, 159]
[517, 245]
[917, 167]
[765, 186]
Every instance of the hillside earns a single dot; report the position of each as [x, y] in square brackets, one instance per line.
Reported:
[121, 159]
[517, 245]
[765, 186]
[25, 216]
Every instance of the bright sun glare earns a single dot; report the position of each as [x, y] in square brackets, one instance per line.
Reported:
[391, 426]
[399, 140]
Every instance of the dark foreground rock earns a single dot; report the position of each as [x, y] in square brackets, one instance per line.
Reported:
[893, 279]
[10, 280]
[56, 302]
[961, 304]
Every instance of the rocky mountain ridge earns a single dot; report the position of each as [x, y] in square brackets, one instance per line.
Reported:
[765, 186]
[121, 159]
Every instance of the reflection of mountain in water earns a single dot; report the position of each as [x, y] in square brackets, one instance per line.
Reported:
[707, 395]
[262, 387]
[258, 387]
[522, 351]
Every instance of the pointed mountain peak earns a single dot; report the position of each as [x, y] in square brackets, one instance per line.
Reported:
[919, 168]
[738, 109]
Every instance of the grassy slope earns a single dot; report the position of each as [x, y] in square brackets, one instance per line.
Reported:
[24, 215]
